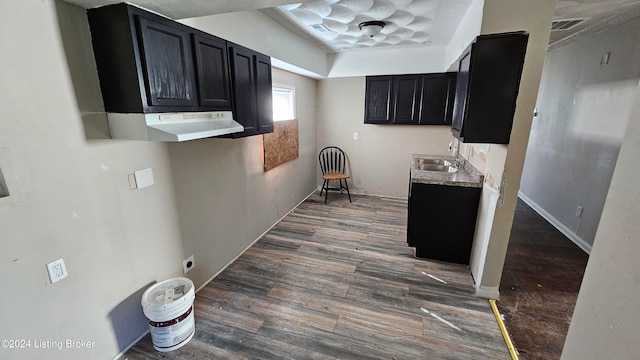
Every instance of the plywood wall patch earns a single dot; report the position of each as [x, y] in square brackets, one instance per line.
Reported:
[281, 145]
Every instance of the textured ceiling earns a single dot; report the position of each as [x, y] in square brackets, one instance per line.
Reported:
[407, 22]
[444, 17]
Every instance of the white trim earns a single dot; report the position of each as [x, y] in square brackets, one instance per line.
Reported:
[488, 292]
[585, 246]
[253, 242]
[288, 89]
[120, 354]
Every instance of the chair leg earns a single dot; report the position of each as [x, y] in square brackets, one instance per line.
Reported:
[324, 183]
[326, 192]
[346, 186]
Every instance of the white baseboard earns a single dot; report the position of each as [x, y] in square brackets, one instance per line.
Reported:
[585, 246]
[253, 242]
[121, 353]
[488, 292]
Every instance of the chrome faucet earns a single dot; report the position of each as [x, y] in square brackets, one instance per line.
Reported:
[453, 149]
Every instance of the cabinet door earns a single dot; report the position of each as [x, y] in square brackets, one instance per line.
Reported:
[264, 93]
[462, 89]
[167, 63]
[442, 220]
[244, 95]
[212, 72]
[488, 82]
[438, 92]
[406, 99]
[378, 106]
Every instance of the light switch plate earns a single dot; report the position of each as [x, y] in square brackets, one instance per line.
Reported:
[144, 178]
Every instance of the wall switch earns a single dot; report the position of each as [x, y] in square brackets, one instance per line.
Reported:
[144, 178]
[355, 136]
[188, 264]
[132, 182]
[57, 270]
[579, 211]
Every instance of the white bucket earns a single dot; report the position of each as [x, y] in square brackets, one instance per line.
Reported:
[169, 307]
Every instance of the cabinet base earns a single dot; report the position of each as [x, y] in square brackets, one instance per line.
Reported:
[458, 258]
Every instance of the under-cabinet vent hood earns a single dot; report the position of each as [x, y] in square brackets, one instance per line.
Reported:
[172, 126]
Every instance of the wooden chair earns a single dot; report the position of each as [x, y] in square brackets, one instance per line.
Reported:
[332, 164]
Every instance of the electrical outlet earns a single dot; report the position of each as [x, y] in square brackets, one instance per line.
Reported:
[579, 210]
[188, 264]
[356, 136]
[57, 270]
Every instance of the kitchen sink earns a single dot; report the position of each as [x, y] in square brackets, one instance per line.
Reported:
[435, 167]
[422, 161]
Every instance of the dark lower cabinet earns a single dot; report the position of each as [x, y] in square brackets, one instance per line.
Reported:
[419, 99]
[252, 92]
[442, 221]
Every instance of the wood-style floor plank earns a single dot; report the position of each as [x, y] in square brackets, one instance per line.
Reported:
[338, 281]
[540, 284]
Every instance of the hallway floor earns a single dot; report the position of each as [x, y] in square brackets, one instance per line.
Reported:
[540, 283]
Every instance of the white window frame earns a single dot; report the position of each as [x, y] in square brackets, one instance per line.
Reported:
[289, 90]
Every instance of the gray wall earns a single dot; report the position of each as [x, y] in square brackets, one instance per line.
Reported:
[583, 111]
[379, 161]
[605, 320]
[70, 196]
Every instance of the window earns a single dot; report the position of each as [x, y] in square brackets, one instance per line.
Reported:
[284, 103]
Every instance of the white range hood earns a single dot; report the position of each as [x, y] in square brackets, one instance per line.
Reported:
[172, 126]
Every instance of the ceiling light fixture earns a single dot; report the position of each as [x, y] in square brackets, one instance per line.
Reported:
[371, 28]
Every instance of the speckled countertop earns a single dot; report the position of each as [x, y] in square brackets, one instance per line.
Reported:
[466, 176]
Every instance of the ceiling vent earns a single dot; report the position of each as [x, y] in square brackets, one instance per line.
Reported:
[566, 24]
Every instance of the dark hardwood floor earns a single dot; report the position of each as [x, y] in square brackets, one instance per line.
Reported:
[540, 283]
[338, 281]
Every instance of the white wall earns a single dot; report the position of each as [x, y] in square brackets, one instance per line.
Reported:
[76, 202]
[73, 199]
[467, 31]
[257, 31]
[225, 199]
[503, 163]
[606, 317]
[583, 111]
[408, 60]
[381, 157]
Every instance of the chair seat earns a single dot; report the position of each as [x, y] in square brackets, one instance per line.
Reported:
[335, 176]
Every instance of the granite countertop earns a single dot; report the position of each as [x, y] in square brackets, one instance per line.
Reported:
[466, 176]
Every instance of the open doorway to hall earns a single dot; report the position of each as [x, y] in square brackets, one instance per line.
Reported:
[587, 91]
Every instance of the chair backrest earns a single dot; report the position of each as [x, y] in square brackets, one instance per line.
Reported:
[332, 160]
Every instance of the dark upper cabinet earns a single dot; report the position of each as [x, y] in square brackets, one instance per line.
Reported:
[264, 93]
[438, 93]
[407, 91]
[378, 100]
[252, 92]
[212, 72]
[419, 99]
[489, 73]
[167, 63]
[147, 63]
